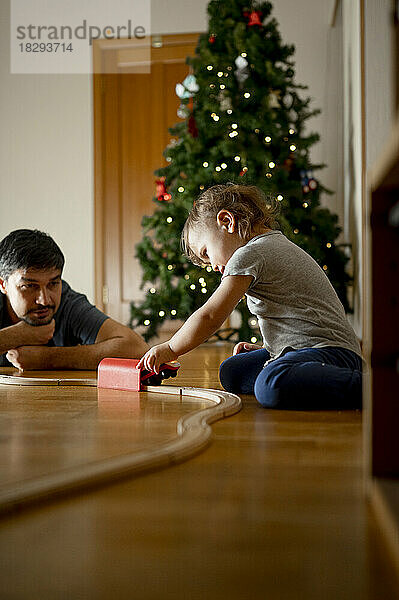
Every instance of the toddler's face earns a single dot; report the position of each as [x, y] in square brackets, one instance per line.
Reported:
[215, 244]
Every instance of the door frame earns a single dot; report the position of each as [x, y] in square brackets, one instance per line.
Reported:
[102, 63]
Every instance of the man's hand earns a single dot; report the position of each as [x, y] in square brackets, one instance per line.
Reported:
[27, 358]
[156, 356]
[29, 335]
[245, 347]
[23, 335]
[26, 347]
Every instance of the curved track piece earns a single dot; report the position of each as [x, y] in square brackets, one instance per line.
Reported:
[193, 435]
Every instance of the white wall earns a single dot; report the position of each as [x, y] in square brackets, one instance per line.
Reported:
[378, 117]
[353, 162]
[46, 151]
[318, 57]
[46, 160]
[175, 16]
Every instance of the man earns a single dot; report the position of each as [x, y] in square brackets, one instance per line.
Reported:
[44, 324]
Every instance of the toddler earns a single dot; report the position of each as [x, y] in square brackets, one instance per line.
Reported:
[310, 356]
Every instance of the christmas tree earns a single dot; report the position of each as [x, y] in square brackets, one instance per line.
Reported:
[244, 122]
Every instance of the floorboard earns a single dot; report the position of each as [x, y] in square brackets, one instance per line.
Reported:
[274, 508]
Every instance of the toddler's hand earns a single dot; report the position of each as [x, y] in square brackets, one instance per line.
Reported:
[156, 356]
[245, 347]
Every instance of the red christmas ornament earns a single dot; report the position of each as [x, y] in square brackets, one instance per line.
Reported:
[254, 18]
[244, 170]
[161, 192]
[161, 187]
[192, 126]
[212, 38]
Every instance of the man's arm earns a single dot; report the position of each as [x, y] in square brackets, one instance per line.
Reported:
[22, 334]
[113, 339]
[201, 324]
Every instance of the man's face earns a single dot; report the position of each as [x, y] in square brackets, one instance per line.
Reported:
[33, 295]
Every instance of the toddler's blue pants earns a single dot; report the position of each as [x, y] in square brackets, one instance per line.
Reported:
[310, 378]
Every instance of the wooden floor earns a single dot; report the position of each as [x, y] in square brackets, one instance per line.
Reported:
[275, 508]
[46, 429]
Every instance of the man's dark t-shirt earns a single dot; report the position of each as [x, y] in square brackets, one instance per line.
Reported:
[76, 321]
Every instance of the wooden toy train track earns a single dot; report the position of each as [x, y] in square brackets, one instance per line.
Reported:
[193, 435]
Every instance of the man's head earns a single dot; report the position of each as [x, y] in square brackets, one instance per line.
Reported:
[31, 264]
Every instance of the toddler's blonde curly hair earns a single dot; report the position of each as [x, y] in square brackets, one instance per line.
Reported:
[248, 203]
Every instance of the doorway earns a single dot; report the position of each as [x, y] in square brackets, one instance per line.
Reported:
[133, 110]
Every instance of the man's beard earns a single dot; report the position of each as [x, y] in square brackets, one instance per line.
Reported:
[37, 322]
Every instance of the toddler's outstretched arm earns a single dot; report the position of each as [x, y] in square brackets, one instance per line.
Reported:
[201, 325]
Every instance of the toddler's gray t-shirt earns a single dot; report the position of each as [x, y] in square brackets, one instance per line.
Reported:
[292, 297]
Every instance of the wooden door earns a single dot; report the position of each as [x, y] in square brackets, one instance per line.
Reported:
[132, 113]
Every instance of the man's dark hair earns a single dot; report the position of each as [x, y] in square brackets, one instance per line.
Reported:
[29, 249]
